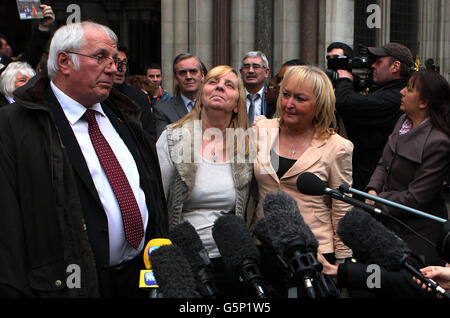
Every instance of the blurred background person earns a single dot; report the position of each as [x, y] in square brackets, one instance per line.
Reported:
[133, 93]
[153, 73]
[15, 75]
[415, 161]
[273, 89]
[188, 74]
[192, 193]
[255, 71]
[302, 140]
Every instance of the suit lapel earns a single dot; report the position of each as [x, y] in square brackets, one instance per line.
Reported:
[71, 146]
[179, 107]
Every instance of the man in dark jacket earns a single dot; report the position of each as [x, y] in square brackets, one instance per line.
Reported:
[369, 119]
[72, 151]
[137, 96]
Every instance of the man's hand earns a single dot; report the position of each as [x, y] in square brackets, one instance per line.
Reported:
[49, 18]
[345, 74]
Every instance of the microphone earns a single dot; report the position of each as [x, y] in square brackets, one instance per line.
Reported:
[310, 184]
[147, 277]
[173, 273]
[373, 243]
[186, 238]
[239, 252]
[293, 239]
[347, 189]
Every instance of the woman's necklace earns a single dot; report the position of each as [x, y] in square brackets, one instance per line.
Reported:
[293, 151]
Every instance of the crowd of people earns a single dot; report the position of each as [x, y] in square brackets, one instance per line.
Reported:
[95, 162]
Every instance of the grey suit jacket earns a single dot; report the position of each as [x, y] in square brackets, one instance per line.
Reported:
[168, 112]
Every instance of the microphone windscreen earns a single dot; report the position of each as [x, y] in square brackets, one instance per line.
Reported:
[310, 184]
[187, 239]
[173, 273]
[285, 223]
[371, 241]
[261, 232]
[234, 241]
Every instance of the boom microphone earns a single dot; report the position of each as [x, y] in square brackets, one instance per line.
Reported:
[173, 273]
[186, 238]
[292, 238]
[310, 184]
[239, 252]
[373, 243]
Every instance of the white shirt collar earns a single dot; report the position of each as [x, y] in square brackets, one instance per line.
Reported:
[260, 92]
[72, 109]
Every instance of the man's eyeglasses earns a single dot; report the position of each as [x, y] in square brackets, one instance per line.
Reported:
[255, 66]
[101, 59]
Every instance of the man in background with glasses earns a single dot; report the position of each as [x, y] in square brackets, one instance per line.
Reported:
[80, 185]
[136, 95]
[255, 71]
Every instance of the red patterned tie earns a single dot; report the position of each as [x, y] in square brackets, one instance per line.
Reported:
[131, 215]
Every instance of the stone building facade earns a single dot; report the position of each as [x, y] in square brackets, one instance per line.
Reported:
[221, 31]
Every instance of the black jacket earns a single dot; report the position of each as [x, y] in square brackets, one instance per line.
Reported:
[137, 96]
[369, 120]
[51, 215]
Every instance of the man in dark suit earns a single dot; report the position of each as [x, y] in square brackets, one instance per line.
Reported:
[255, 71]
[133, 93]
[80, 187]
[188, 74]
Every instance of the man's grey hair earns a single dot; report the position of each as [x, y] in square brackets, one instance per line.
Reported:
[70, 37]
[256, 54]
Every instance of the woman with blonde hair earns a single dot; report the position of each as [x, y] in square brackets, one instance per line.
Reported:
[205, 173]
[301, 140]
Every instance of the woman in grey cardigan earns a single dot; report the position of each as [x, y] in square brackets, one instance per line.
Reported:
[204, 159]
[416, 161]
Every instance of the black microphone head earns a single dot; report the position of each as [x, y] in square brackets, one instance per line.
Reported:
[285, 223]
[371, 241]
[310, 184]
[173, 273]
[234, 241]
[262, 234]
[187, 239]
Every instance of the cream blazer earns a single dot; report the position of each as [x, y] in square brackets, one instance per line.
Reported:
[330, 159]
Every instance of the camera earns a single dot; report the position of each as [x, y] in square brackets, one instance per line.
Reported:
[360, 66]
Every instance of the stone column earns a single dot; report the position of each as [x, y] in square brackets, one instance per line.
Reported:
[264, 28]
[201, 30]
[286, 34]
[242, 30]
[309, 14]
[221, 32]
[336, 24]
[174, 36]
[383, 34]
[434, 38]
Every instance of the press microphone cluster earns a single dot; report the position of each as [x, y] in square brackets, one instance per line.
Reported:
[173, 273]
[310, 184]
[373, 243]
[294, 243]
[185, 236]
[238, 251]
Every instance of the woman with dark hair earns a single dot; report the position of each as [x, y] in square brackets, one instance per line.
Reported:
[416, 161]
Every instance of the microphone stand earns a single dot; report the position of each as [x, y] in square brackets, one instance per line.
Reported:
[346, 188]
[444, 246]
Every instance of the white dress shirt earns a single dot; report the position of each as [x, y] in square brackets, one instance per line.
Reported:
[186, 103]
[119, 249]
[258, 102]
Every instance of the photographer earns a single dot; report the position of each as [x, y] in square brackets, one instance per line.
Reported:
[369, 119]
